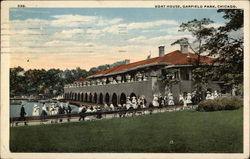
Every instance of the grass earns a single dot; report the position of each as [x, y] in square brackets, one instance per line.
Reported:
[187, 131]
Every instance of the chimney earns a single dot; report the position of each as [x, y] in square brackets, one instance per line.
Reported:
[127, 61]
[184, 47]
[161, 51]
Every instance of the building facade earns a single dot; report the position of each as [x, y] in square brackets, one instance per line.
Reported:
[166, 73]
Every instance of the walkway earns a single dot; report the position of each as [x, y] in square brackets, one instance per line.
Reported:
[92, 116]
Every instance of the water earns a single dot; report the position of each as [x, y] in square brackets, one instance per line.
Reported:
[28, 106]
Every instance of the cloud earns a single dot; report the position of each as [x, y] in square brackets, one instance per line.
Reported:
[101, 21]
[171, 30]
[139, 25]
[115, 20]
[27, 22]
[72, 20]
[25, 32]
[67, 33]
[56, 43]
[159, 39]
[80, 20]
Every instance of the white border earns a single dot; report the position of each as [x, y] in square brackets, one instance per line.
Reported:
[5, 153]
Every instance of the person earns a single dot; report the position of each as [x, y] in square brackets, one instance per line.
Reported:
[69, 109]
[216, 95]
[22, 115]
[134, 102]
[212, 96]
[35, 110]
[112, 108]
[150, 106]
[181, 99]
[61, 111]
[208, 95]
[161, 101]
[155, 101]
[81, 112]
[143, 102]
[99, 110]
[52, 109]
[128, 103]
[165, 99]
[189, 99]
[44, 112]
[106, 107]
[170, 99]
[89, 109]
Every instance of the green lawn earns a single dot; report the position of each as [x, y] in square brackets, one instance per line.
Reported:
[188, 131]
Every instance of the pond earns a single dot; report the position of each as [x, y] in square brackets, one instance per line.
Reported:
[28, 106]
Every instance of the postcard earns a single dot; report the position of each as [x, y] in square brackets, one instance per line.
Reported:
[125, 79]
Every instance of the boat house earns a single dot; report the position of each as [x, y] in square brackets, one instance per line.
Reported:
[142, 78]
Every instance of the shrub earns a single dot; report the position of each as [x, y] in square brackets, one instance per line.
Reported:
[225, 103]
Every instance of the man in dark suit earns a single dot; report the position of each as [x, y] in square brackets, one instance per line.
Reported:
[22, 115]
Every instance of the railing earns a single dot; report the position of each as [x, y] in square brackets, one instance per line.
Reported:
[89, 85]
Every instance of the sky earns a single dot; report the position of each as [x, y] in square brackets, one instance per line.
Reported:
[67, 38]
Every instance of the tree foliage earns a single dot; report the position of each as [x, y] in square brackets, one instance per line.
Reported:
[49, 82]
[201, 30]
[224, 43]
[227, 45]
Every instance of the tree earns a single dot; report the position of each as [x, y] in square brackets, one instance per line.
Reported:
[201, 30]
[227, 44]
[17, 81]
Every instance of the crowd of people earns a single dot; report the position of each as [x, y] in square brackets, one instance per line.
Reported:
[132, 103]
[53, 109]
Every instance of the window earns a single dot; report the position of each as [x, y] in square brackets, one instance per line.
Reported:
[185, 74]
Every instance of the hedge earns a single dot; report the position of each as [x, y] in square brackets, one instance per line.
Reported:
[224, 103]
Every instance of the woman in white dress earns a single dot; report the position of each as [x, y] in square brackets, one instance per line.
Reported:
[189, 99]
[170, 99]
[155, 101]
[35, 110]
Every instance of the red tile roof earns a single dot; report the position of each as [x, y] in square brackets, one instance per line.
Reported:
[82, 80]
[172, 58]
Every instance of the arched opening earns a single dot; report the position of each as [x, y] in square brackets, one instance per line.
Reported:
[132, 95]
[90, 97]
[107, 98]
[70, 95]
[75, 96]
[86, 97]
[100, 98]
[82, 97]
[79, 97]
[114, 99]
[95, 98]
[123, 99]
